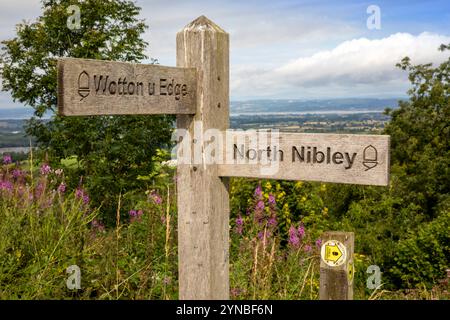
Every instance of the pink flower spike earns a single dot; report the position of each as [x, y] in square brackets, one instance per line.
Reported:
[271, 199]
[319, 243]
[7, 159]
[155, 197]
[260, 205]
[62, 188]
[17, 173]
[294, 239]
[258, 192]
[45, 169]
[6, 185]
[272, 222]
[301, 231]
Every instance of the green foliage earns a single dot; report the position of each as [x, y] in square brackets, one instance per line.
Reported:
[420, 136]
[424, 256]
[112, 150]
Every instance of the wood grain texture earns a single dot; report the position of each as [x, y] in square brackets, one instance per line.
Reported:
[335, 283]
[97, 87]
[203, 203]
[339, 158]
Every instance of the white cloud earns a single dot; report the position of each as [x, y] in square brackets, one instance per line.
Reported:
[353, 68]
[253, 27]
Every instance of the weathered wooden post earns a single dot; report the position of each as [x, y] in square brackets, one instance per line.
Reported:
[203, 204]
[336, 266]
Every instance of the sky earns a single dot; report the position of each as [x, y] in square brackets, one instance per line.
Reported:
[294, 49]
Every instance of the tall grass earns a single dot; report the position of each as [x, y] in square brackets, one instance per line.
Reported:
[45, 228]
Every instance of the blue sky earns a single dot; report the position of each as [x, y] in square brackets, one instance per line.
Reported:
[295, 49]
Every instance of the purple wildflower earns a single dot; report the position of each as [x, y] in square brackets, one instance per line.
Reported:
[45, 169]
[308, 248]
[7, 159]
[80, 193]
[17, 173]
[135, 215]
[239, 224]
[258, 192]
[39, 190]
[62, 188]
[260, 235]
[155, 197]
[301, 231]
[6, 185]
[272, 222]
[271, 199]
[294, 239]
[260, 205]
[319, 243]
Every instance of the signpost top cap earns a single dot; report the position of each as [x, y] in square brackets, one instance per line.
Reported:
[202, 23]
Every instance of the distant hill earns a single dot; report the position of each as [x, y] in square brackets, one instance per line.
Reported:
[349, 105]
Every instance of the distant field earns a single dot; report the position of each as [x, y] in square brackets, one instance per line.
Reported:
[372, 122]
[12, 134]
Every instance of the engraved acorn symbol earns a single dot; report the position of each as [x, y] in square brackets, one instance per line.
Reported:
[370, 157]
[83, 85]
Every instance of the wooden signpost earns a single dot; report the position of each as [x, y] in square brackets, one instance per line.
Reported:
[197, 91]
[95, 87]
[203, 204]
[341, 158]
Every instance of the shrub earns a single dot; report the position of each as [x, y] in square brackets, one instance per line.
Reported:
[424, 257]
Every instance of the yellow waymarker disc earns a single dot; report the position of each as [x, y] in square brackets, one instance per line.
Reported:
[333, 253]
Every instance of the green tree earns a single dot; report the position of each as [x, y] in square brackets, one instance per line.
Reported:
[420, 136]
[420, 140]
[112, 150]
